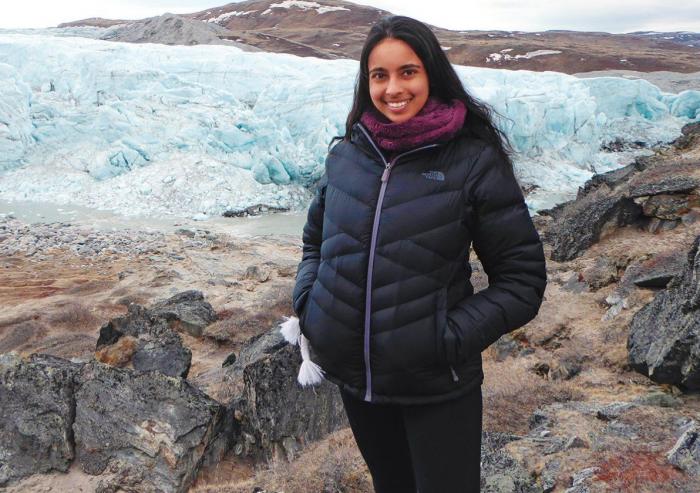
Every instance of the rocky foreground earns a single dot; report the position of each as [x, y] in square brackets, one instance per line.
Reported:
[136, 361]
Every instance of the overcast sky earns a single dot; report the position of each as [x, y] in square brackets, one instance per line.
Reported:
[615, 16]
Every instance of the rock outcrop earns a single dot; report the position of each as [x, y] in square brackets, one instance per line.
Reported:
[652, 193]
[147, 338]
[664, 338]
[186, 311]
[139, 431]
[142, 430]
[655, 272]
[584, 222]
[145, 428]
[500, 472]
[172, 29]
[37, 407]
[685, 454]
[276, 417]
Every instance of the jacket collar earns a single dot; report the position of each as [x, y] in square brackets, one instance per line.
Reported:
[362, 140]
[360, 136]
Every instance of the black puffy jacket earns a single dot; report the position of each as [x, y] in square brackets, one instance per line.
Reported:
[383, 292]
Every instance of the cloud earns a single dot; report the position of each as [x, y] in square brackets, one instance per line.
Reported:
[523, 15]
[541, 15]
[46, 13]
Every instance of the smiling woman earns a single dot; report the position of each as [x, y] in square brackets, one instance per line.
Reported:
[382, 292]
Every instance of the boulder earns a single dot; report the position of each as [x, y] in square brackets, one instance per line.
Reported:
[586, 220]
[611, 178]
[664, 338]
[135, 322]
[613, 411]
[500, 472]
[186, 311]
[665, 185]
[548, 476]
[584, 481]
[162, 350]
[656, 192]
[603, 272]
[145, 431]
[36, 413]
[690, 134]
[685, 454]
[654, 272]
[670, 207]
[146, 338]
[276, 416]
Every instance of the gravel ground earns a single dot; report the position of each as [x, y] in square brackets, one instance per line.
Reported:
[36, 240]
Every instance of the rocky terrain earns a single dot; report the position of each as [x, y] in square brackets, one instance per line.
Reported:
[143, 361]
[174, 30]
[336, 29]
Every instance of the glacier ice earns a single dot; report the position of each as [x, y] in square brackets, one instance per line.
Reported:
[15, 121]
[185, 130]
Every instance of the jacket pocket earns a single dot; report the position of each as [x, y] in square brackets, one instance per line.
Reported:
[300, 302]
[304, 302]
[442, 335]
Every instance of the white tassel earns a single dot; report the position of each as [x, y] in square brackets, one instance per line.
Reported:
[309, 372]
[290, 330]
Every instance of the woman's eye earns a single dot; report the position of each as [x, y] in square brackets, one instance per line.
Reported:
[377, 75]
[409, 72]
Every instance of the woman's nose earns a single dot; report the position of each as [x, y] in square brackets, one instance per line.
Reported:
[393, 86]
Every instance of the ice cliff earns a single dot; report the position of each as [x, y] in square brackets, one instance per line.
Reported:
[160, 130]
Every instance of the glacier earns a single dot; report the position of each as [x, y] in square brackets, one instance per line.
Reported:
[194, 131]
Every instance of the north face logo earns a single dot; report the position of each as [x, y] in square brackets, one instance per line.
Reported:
[434, 175]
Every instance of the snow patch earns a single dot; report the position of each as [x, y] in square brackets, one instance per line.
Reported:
[303, 5]
[228, 15]
[326, 8]
[497, 57]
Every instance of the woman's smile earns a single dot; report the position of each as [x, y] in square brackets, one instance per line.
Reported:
[397, 106]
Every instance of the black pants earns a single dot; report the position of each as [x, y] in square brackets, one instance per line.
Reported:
[431, 448]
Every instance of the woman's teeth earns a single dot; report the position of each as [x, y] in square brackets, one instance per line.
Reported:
[398, 105]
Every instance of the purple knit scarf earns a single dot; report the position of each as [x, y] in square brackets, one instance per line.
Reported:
[435, 122]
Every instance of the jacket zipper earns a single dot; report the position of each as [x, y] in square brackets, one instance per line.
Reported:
[372, 245]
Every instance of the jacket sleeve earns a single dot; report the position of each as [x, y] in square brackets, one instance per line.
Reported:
[510, 250]
[311, 250]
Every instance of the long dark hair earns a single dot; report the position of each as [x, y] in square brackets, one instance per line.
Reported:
[443, 80]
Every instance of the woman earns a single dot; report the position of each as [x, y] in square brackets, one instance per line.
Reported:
[382, 291]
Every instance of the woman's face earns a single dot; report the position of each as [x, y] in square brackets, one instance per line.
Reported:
[398, 82]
